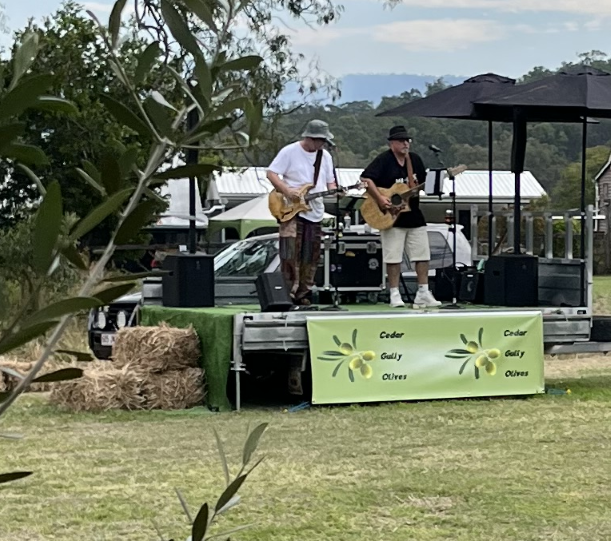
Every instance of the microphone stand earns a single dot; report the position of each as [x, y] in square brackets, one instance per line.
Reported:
[452, 228]
[335, 306]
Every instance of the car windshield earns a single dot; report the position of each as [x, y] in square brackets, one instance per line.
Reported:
[246, 258]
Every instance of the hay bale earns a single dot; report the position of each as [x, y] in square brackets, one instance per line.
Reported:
[102, 387]
[173, 390]
[156, 349]
[21, 367]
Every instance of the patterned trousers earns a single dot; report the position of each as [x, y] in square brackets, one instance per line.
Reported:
[299, 255]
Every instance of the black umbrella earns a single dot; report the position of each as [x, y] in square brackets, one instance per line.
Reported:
[457, 102]
[571, 95]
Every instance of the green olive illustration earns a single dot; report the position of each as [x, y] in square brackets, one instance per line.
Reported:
[368, 355]
[481, 361]
[346, 349]
[366, 371]
[472, 347]
[356, 362]
[494, 353]
[491, 368]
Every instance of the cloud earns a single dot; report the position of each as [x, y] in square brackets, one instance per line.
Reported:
[323, 36]
[596, 7]
[439, 34]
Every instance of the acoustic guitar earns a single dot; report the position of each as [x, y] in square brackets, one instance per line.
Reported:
[399, 195]
[284, 209]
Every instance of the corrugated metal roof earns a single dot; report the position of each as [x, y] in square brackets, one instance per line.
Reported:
[469, 184]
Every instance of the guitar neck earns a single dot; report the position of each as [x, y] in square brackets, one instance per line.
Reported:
[311, 196]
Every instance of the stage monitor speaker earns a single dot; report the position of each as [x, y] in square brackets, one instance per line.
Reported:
[511, 280]
[471, 287]
[190, 282]
[273, 293]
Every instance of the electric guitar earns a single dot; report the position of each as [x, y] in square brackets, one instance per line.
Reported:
[399, 195]
[284, 208]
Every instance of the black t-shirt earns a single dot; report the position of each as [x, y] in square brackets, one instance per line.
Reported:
[385, 171]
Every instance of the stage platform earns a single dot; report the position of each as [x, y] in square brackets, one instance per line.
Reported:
[228, 333]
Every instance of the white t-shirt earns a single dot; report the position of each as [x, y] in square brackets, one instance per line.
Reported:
[296, 167]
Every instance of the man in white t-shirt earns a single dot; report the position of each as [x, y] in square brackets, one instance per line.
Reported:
[296, 165]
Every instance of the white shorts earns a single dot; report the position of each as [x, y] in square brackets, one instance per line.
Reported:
[415, 242]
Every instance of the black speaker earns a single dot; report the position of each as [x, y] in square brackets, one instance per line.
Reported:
[511, 280]
[471, 287]
[190, 282]
[273, 293]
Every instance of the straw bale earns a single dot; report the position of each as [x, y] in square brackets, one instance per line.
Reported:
[22, 367]
[102, 387]
[156, 349]
[175, 389]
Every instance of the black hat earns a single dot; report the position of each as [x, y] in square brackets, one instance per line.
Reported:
[398, 133]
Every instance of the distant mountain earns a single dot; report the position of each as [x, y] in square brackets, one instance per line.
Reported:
[373, 87]
[359, 87]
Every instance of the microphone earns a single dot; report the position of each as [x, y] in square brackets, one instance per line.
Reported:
[434, 148]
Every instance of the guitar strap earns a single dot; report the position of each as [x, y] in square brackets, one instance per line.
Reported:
[317, 164]
[410, 171]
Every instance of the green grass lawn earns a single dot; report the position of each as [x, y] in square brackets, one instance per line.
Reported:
[523, 469]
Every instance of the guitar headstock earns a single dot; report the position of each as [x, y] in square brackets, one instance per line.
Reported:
[358, 186]
[457, 170]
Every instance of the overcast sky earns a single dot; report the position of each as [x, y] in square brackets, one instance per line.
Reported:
[431, 37]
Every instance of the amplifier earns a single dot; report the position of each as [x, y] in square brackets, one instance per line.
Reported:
[471, 287]
[273, 293]
[511, 280]
[190, 282]
[443, 283]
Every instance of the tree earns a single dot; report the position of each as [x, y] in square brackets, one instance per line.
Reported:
[567, 194]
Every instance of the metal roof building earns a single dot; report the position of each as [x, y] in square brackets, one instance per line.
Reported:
[471, 186]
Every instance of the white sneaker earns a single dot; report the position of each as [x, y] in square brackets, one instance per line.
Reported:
[425, 299]
[395, 299]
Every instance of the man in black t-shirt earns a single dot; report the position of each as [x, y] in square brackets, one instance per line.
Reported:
[409, 232]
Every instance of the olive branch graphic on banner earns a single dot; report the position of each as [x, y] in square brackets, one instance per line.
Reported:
[358, 361]
[474, 351]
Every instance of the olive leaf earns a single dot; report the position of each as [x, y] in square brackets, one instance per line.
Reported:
[219, 444]
[159, 116]
[16, 339]
[126, 116]
[89, 179]
[10, 132]
[229, 492]
[146, 61]
[480, 336]
[135, 221]
[24, 57]
[333, 359]
[63, 374]
[11, 372]
[338, 367]
[114, 23]
[252, 442]
[337, 340]
[462, 368]
[200, 8]
[184, 171]
[354, 338]
[61, 308]
[110, 174]
[204, 79]
[351, 375]
[464, 339]
[80, 356]
[25, 94]
[200, 524]
[460, 351]
[449, 356]
[98, 214]
[13, 476]
[54, 105]
[47, 229]
[110, 294]
[333, 353]
[249, 62]
[179, 29]
[476, 372]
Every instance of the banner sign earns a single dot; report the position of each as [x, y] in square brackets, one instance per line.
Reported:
[425, 356]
